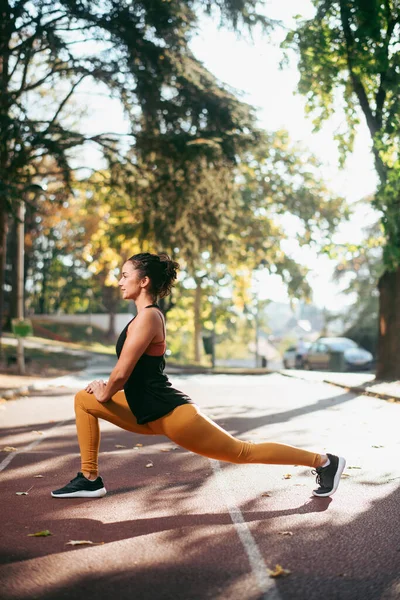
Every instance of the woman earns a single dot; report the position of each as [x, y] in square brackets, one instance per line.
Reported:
[138, 396]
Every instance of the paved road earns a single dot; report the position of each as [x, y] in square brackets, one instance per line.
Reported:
[189, 528]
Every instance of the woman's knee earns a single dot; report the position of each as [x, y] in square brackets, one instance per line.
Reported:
[82, 398]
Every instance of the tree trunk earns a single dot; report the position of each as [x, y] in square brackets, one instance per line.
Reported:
[3, 253]
[12, 276]
[111, 333]
[43, 293]
[197, 322]
[166, 304]
[111, 298]
[388, 365]
[5, 36]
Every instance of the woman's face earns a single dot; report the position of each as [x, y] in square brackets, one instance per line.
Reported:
[130, 282]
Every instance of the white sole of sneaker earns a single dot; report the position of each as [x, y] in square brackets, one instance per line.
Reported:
[82, 494]
[336, 479]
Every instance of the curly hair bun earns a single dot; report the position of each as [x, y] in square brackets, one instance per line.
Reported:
[171, 267]
[161, 270]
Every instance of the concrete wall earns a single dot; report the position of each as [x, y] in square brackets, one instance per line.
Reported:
[96, 320]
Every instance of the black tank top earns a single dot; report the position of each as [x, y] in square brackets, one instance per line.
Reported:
[148, 391]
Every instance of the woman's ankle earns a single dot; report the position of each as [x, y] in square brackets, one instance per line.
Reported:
[90, 475]
[323, 460]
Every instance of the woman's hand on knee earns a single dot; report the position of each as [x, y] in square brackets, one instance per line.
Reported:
[97, 388]
[89, 387]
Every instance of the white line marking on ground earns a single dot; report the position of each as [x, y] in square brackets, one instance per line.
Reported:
[46, 434]
[257, 564]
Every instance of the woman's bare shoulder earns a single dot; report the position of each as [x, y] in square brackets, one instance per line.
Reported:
[144, 318]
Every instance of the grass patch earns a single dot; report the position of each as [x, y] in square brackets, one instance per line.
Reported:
[74, 333]
[40, 362]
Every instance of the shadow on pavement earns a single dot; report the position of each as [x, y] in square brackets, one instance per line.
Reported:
[358, 559]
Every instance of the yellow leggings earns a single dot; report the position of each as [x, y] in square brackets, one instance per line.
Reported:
[186, 426]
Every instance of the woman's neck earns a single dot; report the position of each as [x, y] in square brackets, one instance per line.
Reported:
[144, 301]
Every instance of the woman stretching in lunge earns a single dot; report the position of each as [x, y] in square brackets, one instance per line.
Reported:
[149, 405]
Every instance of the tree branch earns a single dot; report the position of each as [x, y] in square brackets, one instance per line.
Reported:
[381, 93]
[63, 103]
[358, 87]
[356, 81]
[26, 66]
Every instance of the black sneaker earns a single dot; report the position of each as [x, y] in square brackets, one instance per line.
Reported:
[80, 487]
[328, 477]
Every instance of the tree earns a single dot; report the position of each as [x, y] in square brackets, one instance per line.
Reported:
[349, 55]
[360, 266]
[139, 52]
[273, 180]
[103, 210]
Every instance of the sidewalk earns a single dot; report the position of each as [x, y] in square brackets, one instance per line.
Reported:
[361, 383]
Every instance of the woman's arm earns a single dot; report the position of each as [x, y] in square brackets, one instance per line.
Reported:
[140, 334]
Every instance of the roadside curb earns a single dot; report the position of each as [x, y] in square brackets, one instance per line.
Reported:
[23, 391]
[365, 391]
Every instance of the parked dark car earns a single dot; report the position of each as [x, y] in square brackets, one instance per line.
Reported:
[325, 354]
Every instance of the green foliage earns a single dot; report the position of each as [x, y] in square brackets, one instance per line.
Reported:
[140, 53]
[349, 59]
[195, 177]
[360, 267]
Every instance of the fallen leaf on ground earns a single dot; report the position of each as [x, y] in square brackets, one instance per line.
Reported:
[266, 494]
[165, 449]
[345, 476]
[43, 533]
[138, 445]
[286, 533]
[287, 476]
[38, 432]
[9, 449]
[24, 493]
[83, 542]
[279, 571]
[149, 464]
[37, 476]
[119, 446]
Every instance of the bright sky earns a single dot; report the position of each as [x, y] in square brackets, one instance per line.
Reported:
[252, 68]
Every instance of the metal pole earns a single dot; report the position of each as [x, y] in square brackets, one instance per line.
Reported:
[20, 284]
[89, 330]
[256, 332]
[213, 337]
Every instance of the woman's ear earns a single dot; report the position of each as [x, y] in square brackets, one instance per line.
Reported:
[145, 282]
